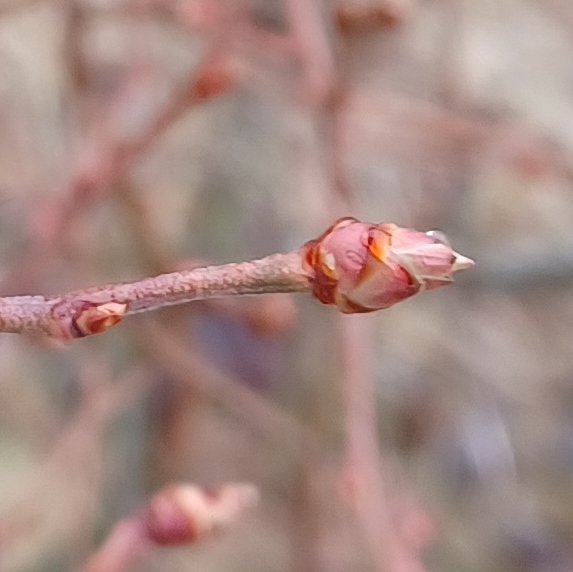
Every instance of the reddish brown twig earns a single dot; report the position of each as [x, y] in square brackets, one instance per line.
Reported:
[94, 310]
[72, 471]
[359, 267]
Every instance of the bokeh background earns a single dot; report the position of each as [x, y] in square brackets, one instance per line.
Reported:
[140, 136]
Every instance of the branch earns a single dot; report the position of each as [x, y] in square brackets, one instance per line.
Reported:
[365, 475]
[359, 267]
[94, 310]
[259, 415]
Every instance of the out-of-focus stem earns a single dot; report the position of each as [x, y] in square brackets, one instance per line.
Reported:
[251, 409]
[365, 483]
[127, 545]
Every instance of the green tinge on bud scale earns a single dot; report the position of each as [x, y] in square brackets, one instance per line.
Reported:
[362, 267]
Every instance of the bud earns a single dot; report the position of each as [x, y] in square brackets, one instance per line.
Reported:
[84, 318]
[363, 267]
[183, 513]
[215, 78]
[95, 319]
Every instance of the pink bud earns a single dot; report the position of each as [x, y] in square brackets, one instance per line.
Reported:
[362, 267]
[184, 513]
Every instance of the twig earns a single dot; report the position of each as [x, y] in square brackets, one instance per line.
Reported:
[73, 465]
[94, 310]
[114, 158]
[252, 410]
[359, 267]
[365, 483]
[308, 30]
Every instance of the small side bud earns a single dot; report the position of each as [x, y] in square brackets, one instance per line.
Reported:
[99, 318]
[182, 514]
[83, 318]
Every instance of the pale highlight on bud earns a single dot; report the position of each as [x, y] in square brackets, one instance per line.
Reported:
[363, 267]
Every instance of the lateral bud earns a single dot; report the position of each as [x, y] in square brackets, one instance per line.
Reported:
[96, 319]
